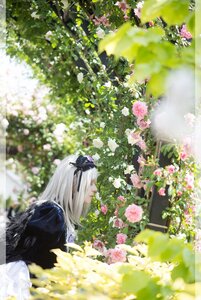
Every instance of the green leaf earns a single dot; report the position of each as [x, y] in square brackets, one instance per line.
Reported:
[172, 11]
[135, 281]
[156, 84]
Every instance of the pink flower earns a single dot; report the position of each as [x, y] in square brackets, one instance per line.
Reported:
[158, 172]
[143, 124]
[121, 238]
[184, 33]
[161, 192]
[35, 170]
[101, 20]
[121, 198]
[138, 9]
[136, 181]
[141, 160]
[139, 109]
[116, 255]
[104, 209]
[142, 144]
[47, 147]
[189, 178]
[118, 223]
[183, 155]
[133, 213]
[57, 161]
[171, 169]
[151, 23]
[179, 193]
[116, 212]
[122, 5]
[97, 244]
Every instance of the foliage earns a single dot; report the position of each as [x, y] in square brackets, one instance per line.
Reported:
[91, 96]
[162, 269]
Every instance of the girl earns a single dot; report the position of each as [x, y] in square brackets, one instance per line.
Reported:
[48, 223]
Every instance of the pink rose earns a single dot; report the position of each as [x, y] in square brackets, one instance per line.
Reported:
[116, 212]
[35, 170]
[122, 5]
[161, 192]
[104, 209]
[136, 181]
[184, 33]
[138, 9]
[118, 223]
[143, 124]
[142, 144]
[57, 161]
[189, 178]
[171, 169]
[139, 109]
[141, 160]
[121, 238]
[116, 255]
[97, 244]
[121, 198]
[133, 213]
[183, 155]
[158, 172]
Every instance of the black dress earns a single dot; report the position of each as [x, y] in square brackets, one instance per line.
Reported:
[31, 235]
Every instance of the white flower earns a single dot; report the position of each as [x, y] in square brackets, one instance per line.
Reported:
[125, 111]
[47, 147]
[110, 179]
[80, 77]
[129, 169]
[100, 33]
[112, 145]
[98, 197]
[128, 131]
[102, 125]
[97, 212]
[108, 84]
[26, 131]
[96, 157]
[4, 123]
[48, 35]
[97, 143]
[133, 138]
[117, 183]
[34, 15]
[59, 131]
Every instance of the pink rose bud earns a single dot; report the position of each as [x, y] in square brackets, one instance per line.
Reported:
[104, 209]
[161, 192]
[121, 198]
[171, 169]
[158, 172]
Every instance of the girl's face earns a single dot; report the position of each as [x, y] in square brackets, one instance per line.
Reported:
[91, 191]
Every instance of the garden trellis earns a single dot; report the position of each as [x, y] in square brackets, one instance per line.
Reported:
[99, 59]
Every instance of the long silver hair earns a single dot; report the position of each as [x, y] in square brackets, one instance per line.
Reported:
[62, 188]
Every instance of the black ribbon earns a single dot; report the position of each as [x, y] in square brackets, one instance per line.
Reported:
[82, 164]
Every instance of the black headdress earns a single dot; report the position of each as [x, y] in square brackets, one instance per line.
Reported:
[83, 163]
